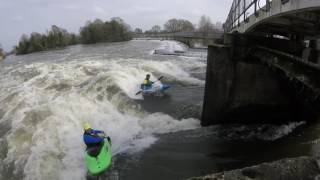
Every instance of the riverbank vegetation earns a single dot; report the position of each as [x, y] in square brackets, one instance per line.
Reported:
[174, 25]
[2, 53]
[56, 37]
[98, 31]
[114, 30]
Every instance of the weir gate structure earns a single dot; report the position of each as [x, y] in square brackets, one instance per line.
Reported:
[267, 67]
[189, 38]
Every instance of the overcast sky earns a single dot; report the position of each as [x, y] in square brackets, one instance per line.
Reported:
[26, 16]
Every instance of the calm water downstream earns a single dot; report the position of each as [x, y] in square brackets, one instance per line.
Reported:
[45, 98]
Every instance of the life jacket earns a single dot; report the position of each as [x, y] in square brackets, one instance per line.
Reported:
[147, 82]
[90, 138]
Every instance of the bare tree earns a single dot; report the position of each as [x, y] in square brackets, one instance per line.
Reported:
[178, 25]
[185, 25]
[205, 25]
[171, 25]
[138, 30]
[155, 29]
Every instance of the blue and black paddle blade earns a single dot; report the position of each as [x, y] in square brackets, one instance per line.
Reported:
[159, 78]
[138, 92]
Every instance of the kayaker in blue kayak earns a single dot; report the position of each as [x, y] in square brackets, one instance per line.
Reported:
[92, 137]
[146, 83]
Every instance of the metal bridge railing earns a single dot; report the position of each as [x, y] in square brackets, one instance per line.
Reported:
[242, 9]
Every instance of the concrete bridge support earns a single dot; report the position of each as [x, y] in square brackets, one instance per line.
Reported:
[241, 89]
[313, 51]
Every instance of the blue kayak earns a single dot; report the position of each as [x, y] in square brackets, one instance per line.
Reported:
[157, 90]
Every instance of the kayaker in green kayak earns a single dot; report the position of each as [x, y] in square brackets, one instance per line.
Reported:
[98, 155]
[92, 137]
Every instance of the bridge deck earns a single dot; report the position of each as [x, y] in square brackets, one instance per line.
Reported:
[281, 17]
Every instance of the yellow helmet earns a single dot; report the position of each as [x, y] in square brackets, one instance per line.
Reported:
[86, 126]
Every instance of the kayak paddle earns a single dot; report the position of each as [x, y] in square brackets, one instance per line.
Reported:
[153, 82]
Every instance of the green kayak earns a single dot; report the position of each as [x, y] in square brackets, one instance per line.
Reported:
[98, 162]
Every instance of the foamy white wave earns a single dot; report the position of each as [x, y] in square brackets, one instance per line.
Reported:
[277, 132]
[51, 105]
[171, 69]
[172, 46]
[160, 123]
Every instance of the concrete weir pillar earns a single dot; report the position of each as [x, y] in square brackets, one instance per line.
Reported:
[219, 69]
[241, 89]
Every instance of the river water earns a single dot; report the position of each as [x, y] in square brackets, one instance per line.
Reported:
[46, 97]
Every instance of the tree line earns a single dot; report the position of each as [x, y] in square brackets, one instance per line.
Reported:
[98, 31]
[93, 32]
[2, 53]
[114, 30]
[182, 25]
